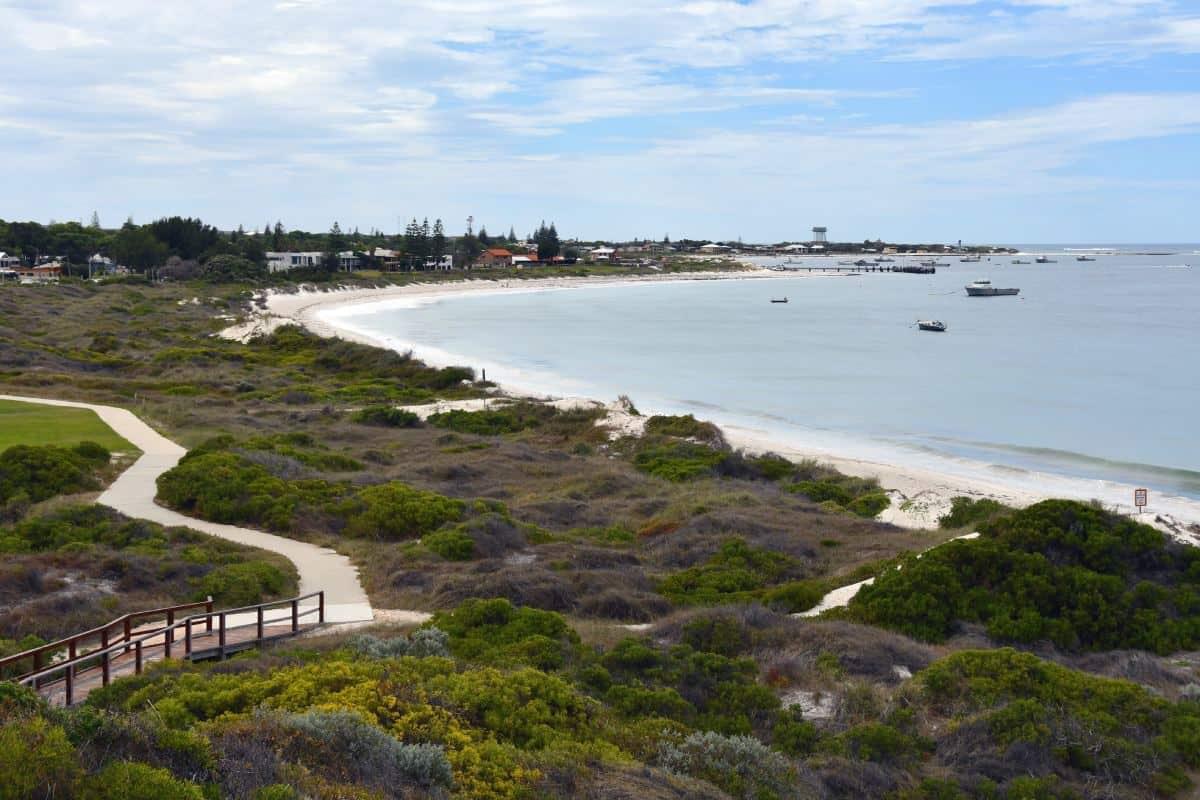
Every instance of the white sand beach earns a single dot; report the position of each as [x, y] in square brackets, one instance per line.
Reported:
[919, 495]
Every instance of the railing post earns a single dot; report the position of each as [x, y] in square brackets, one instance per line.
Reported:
[168, 638]
[128, 632]
[295, 615]
[137, 657]
[221, 637]
[104, 669]
[260, 623]
[187, 637]
[208, 610]
[70, 684]
[37, 667]
[321, 607]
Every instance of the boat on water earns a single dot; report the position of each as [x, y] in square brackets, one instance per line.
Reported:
[970, 259]
[1084, 258]
[985, 289]
[884, 260]
[932, 263]
[1045, 260]
[1019, 261]
[931, 325]
[782, 300]
[862, 263]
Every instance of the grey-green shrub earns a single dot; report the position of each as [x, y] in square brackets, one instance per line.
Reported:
[741, 765]
[423, 643]
[372, 753]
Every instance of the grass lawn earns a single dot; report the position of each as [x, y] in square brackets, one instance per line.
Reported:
[30, 423]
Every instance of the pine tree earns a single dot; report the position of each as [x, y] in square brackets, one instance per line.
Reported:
[512, 235]
[412, 235]
[95, 225]
[483, 236]
[278, 239]
[437, 244]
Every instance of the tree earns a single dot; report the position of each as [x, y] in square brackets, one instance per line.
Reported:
[423, 243]
[437, 245]
[547, 242]
[137, 248]
[483, 236]
[95, 224]
[412, 244]
[512, 235]
[227, 269]
[185, 237]
[278, 238]
[335, 243]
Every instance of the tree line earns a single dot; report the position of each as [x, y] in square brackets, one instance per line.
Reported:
[181, 247]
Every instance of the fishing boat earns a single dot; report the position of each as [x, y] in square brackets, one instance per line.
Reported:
[862, 263]
[1019, 261]
[1045, 260]
[985, 289]
[1084, 258]
[931, 325]
[774, 300]
[969, 259]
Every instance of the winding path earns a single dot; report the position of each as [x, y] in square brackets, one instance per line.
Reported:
[132, 493]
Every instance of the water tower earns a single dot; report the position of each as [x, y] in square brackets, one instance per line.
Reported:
[819, 234]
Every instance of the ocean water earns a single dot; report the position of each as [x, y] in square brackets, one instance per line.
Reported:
[1092, 372]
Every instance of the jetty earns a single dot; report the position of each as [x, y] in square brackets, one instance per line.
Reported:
[905, 268]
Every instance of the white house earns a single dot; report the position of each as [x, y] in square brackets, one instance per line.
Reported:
[442, 264]
[8, 262]
[796, 248]
[349, 261]
[601, 253]
[98, 264]
[712, 247]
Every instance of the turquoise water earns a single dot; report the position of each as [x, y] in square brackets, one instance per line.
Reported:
[1092, 372]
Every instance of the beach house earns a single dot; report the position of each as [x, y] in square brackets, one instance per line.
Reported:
[495, 257]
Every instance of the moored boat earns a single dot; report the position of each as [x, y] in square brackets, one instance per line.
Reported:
[783, 300]
[931, 325]
[1045, 260]
[1084, 258]
[985, 289]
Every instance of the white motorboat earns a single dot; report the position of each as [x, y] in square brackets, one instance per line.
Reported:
[985, 289]
[934, 325]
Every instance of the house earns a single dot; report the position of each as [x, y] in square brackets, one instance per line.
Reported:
[796, 248]
[348, 261]
[441, 264]
[712, 247]
[8, 262]
[601, 254]
[495, 257]
[42, 273]
[520, 260]
[7, 274]
[100, 265]
[282, 262]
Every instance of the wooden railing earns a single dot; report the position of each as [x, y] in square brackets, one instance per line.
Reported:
[74, 647]
[211, 628]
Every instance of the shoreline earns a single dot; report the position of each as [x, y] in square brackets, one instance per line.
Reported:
[921, 494]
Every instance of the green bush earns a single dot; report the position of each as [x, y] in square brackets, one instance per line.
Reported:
[123, 780]
[423, 643]
[370, 755]
[496, 632]
[966, 512]
[1058, 570]
[735, 573]
[452, 545]
[386, 416]
[796, 596]
[509, 419]
[242, 584]
[36, 760]
[679, 461]
[46, 471]
[396, 511]
[231, 269]
[685, 427]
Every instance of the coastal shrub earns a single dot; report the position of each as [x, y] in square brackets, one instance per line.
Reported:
[386, 416]
[422, 643]
[494, 422]
[685, 427]
[740, 765]
[134, 781]
[42, 472]
[231, 269]
[497, 632]
[869, 505]
[224, 486]
[242, 584]
[734, 573]
[367, 755]
[396, 511]
[1060, 570]
[452, 545]
[36, 760]
[968, 512]
[1115, 731]
[796, 596]
[679, 461]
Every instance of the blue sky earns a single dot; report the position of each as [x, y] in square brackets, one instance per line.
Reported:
[1017, 121]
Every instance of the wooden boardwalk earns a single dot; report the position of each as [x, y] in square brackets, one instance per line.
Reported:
[74, 670]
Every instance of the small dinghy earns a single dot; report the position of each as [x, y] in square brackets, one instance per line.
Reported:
[784, 300]
[931, 325]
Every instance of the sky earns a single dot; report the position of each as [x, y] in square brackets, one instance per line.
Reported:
[908, 120]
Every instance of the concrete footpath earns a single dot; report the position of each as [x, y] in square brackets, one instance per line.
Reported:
[133, 495]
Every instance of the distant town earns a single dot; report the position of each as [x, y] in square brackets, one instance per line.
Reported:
[177, 248]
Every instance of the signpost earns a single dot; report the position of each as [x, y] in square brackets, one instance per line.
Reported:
[1139, 499]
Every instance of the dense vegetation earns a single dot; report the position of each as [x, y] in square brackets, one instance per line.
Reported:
[31, 474]
[1082, 577]
[68, 570]
[493, 701]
